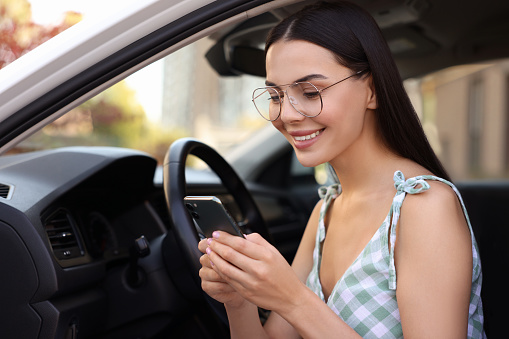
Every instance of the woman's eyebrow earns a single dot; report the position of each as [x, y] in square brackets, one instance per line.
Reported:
[304, 78]
[311, 77]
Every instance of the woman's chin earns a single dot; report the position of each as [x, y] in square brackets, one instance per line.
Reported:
[307, 161]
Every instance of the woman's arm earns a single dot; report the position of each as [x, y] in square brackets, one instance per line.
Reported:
[243, 316]
[433, 257]
[302, 264]
[258, 272]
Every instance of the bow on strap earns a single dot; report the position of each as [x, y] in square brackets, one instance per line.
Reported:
[327, 193]
[331, 191]
[412, 185]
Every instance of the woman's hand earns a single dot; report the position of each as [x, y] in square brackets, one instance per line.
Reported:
[213, 284]
[253, 268]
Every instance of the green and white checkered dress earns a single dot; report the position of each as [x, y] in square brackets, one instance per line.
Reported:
[365, 297]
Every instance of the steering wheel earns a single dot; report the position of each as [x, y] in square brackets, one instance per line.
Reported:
[174, 180]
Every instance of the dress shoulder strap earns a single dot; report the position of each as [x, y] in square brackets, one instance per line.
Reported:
[413, 185]
[327, 193]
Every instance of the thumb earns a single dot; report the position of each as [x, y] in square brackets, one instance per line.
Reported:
[256, 238]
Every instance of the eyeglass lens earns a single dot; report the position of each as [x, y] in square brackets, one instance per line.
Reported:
[303, 96]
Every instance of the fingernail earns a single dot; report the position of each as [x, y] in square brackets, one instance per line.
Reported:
[211, 263]
[208, 250]
[209, 241]
[215, 234]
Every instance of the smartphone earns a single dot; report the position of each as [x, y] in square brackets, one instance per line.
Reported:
[209, 215]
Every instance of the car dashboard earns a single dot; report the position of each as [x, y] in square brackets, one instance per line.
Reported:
[88, 205]
[68, 221]
[68, 215]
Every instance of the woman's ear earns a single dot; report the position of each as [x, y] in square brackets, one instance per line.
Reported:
[372, 103]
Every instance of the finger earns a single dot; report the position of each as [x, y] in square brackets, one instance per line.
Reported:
[244, 246]
[228, 271]
[205, 261]
[214, 286]
[257, 239]
[208, 274]
[202, 245]
[217, 290]
[228, 253]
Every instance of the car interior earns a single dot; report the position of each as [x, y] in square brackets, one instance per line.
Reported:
[96, 241]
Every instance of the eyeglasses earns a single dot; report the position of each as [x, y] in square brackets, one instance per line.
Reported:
[304, 97]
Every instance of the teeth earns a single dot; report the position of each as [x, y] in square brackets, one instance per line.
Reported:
[307, 137]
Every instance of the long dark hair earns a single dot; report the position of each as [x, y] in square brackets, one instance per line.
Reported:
[353, 36]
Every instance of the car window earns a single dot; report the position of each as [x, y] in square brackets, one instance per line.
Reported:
[178, 96]
[465, 113]
[25, 25]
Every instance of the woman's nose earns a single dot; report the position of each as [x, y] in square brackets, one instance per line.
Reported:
[288, 112]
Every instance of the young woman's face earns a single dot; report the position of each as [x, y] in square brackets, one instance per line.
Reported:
[342, 121]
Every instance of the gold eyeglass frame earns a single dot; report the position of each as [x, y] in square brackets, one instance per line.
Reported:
[278, 91]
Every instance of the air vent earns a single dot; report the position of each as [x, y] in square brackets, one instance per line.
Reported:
[5, 191]
[61, 230]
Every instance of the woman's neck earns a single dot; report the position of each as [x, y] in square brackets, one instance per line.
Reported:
[367, 167]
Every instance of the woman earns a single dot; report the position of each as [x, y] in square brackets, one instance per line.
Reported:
[368, 264]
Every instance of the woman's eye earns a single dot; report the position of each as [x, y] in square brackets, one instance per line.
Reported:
[304, 90]
[274, 99]
[311, 95]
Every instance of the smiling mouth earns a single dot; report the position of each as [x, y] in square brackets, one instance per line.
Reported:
[309, 136]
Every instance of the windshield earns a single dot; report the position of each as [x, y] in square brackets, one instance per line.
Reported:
[178, 96]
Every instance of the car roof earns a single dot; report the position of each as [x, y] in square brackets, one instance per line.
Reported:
[424, 35]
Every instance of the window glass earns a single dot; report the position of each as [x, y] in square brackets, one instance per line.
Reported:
[178, 96]
[464, 112]
[25, 24]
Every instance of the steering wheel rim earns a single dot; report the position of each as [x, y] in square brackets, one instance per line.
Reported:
[174, 182]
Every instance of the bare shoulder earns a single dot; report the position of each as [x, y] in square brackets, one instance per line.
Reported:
[308, 238]
[438, 210]
[315, 215]
[433, 228]
[433, 258]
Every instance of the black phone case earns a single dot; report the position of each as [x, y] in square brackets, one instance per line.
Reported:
[209, 215]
